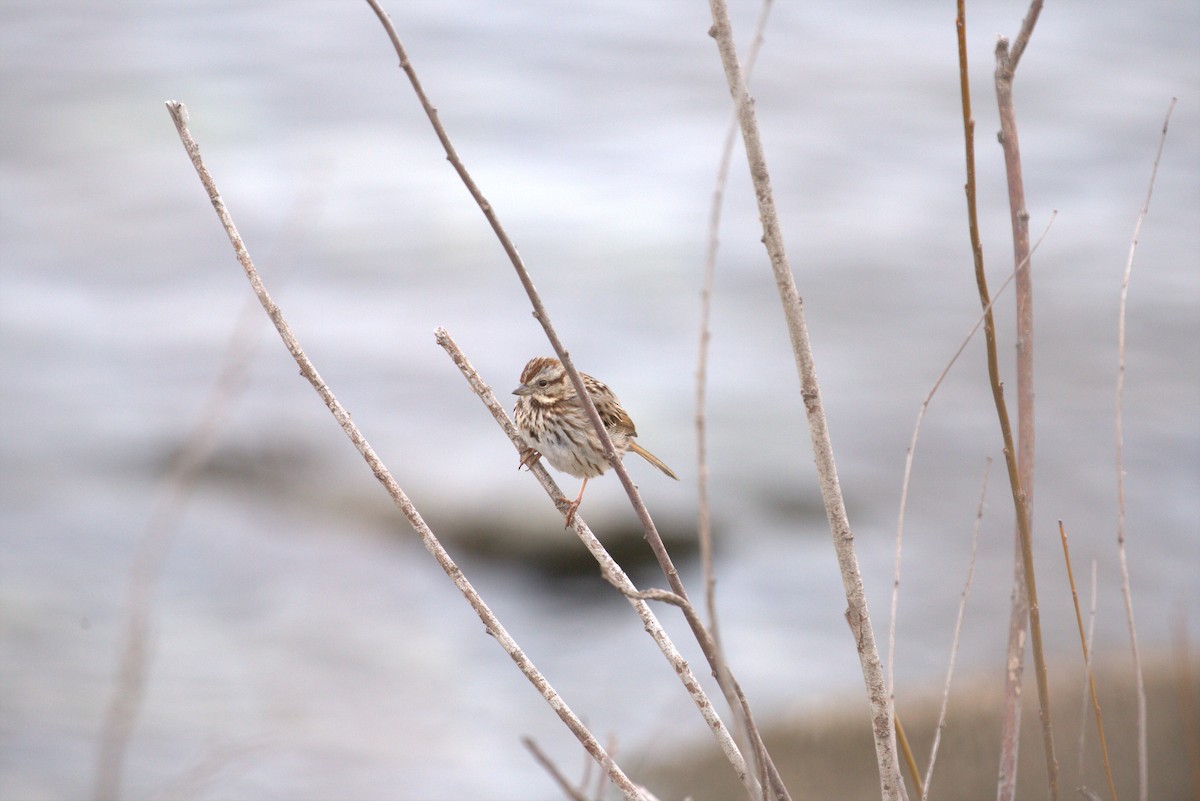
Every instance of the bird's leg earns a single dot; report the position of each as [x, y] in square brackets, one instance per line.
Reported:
[528, 457]
[575, 505]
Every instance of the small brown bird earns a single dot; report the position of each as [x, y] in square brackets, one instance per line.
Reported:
[554, 425]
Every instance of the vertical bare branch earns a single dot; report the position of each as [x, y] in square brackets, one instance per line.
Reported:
[432, 545]
[1087, 673]
[1143, 775]
[704, 524]
[878, 690]
[1007, 62]
[912, 449]
[962, 607]
[1020, 501]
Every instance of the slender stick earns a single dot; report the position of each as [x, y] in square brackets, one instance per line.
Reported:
[308, 370]
[154, 544]
[539, 309]
[1143, 774]
[962, 607]
[1087, 674]
[542, 316]
[912, 449]
[704, 523]
[609, 568]
[1083, 641]
[1010, 456]
[569, 790]
[906, 751]
[1019, 615]
[878, 691]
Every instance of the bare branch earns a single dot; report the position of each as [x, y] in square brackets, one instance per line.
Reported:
[703, 517]
[1087, 674]
[610, 570]
[155, 541]
[569, 790]
[1022, 607]
[542, 316]
[1143, 774]
[912, 449]
[1083, 641]
[1019, 497]
[878, 691]
[308, 370]
[962, 607]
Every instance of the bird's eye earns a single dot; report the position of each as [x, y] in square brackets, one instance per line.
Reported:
[543, 383]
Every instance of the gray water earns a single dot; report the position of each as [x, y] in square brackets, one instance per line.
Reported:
[305, 646]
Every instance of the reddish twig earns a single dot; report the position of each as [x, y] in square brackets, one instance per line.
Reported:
[1023, 609]
[1020, 505]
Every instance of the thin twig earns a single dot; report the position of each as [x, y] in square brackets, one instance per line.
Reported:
[1143, 775]
[1087, 675]
[962, 607]
[569, 790]
[1083, 641]
[1006, 66]
[308, 370]
[704, 521]
[912, 449]
[857, 615]
[542, 316]
[609, 568]
[154, 544]
[1010, 456]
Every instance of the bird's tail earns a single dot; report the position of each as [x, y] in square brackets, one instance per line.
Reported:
[651, 458]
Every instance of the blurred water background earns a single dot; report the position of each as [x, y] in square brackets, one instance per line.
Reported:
[305, 646]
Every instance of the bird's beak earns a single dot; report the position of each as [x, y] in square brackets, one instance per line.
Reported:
[523, 390]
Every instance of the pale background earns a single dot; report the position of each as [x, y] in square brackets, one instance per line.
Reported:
[301, 635]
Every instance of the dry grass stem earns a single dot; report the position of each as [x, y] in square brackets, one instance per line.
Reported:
[962, 608]
[906, 751]
[612, 571]
[1143, 774]
[432, 545]
[857, 615]
[1083, 641]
